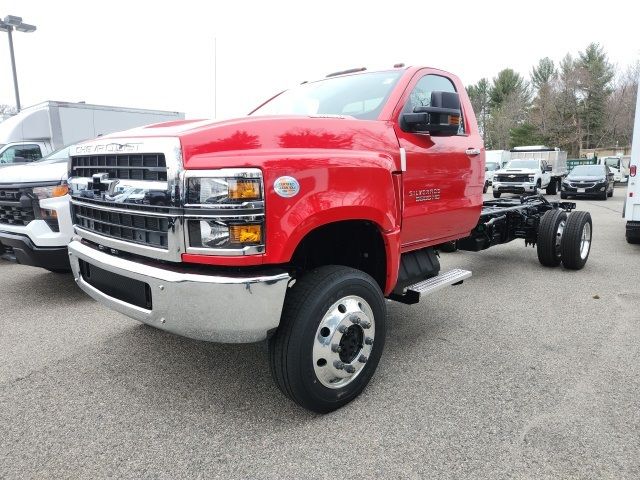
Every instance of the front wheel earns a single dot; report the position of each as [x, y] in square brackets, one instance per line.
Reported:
[330, 338]
[486, 187]
[496, 194]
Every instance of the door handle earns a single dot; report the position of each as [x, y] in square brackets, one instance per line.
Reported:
[472, 151]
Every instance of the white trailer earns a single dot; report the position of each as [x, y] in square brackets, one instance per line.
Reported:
[40, 129]
[631, 211]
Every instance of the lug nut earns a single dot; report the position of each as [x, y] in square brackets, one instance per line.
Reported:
[368, 341]
[363, 359]
[336, 348]
[364, 324]
[343, 329]
[350, 369]
[339, 365]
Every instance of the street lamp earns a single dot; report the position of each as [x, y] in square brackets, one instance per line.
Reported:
[10, 23]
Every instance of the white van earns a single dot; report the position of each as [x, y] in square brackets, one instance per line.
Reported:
[632, 205]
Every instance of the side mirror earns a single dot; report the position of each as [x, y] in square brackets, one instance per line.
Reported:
[442, 117]
[549, 168]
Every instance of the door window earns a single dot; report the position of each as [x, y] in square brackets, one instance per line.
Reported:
[28, 153]
[421, 94]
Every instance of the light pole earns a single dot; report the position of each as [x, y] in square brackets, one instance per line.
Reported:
[10, 23]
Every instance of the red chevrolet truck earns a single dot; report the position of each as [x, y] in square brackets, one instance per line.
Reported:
[295, 223]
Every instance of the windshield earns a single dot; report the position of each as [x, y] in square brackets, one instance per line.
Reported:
[492, 166]
[587, 171]
[58, 156]
[523, 164]
[361, 96]
[612, 162]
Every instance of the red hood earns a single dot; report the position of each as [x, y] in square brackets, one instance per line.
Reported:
[202, 139]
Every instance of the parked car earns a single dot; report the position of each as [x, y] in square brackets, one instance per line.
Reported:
[35, 220]
[588, 180]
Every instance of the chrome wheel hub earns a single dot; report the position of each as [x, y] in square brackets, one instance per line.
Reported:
[585, 241]
[559, 236]
[343, 342]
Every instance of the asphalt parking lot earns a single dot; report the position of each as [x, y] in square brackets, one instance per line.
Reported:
[521, 372]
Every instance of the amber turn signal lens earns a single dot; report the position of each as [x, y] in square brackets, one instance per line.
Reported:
[244, 189]
[454, 120]
[60, 191]
[245, 233]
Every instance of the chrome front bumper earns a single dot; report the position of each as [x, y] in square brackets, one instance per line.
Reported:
[228, 309]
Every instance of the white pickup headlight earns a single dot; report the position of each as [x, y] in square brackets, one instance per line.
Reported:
[51, 191]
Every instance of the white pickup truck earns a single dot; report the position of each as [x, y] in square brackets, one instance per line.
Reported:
[35, 220]
[522, 176]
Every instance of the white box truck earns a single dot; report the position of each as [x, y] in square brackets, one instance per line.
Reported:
[40, 129]
[631, 212]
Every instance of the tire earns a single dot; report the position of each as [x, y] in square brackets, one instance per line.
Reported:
[604, 195]
[633, 240]
[574, 252]
[536, 189]
[550, 234]
[496, 194]
[328, 298]
[610, 194]
[552, 188]
[448, 247]
[486, 187]
[563, 195]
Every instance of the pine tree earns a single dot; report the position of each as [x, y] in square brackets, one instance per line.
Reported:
[595, 87]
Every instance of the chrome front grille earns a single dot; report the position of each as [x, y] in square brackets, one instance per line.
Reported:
[513, 178]
[130, 226]
[147, 166]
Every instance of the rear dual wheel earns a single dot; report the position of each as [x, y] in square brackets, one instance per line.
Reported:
[330, 338]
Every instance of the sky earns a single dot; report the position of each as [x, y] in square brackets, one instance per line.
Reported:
[160, 54]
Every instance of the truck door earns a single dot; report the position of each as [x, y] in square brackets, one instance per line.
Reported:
[444, 175]
[546, 176]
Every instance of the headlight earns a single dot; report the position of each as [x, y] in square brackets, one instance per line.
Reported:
[225, 212]
[52, 191]
[531, 178]
[226, 234]
[236, 188]
[495, 178]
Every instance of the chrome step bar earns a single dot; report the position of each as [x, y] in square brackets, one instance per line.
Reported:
[413, 292]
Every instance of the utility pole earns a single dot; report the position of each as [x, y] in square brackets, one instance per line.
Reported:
[10, 23]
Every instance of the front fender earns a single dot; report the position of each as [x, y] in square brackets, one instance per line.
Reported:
[332, 189]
